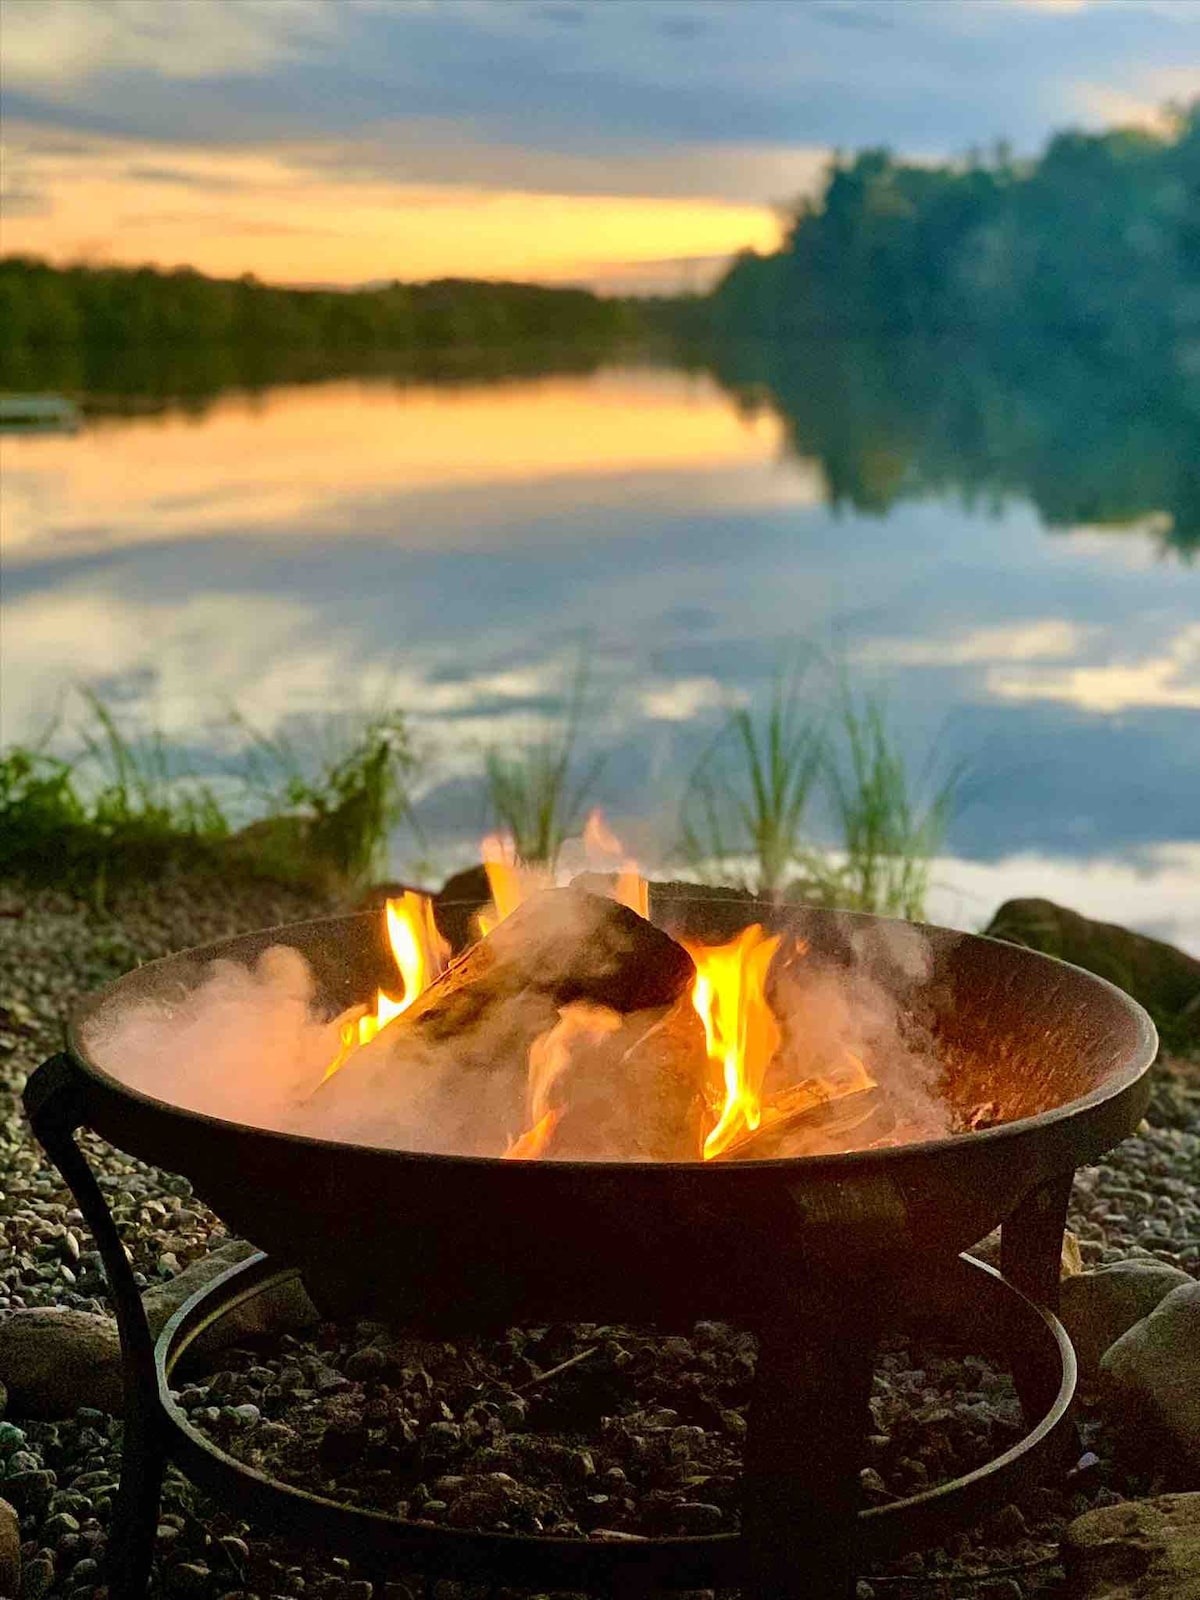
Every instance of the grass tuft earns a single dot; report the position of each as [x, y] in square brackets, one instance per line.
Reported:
[531, 794]
[121, 806]
[747, 797]
[888, 839]
[744, 812]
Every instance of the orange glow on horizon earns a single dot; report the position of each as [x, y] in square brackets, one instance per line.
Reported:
[278, 215]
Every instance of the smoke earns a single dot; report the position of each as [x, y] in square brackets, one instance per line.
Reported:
[253, 1044]
[247, 1043]
[874, 1014]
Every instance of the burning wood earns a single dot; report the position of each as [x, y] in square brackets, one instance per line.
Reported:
[560, 951]
[578, 1030]
[632, 1084]
[809, 1118]
[563, 945]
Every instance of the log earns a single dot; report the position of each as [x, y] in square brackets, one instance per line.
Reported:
[451, 1072]
[804, 1120]
[458, 902]
[565, 945]
[637, 1094]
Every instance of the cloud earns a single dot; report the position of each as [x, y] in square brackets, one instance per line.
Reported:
[437, 150]
[66, 42]
[1056, 7]
[929, 77]
[1156, 890]
[21, 199]
[209, 182]
[1168, 679]
[1050, 638]
[687, 698]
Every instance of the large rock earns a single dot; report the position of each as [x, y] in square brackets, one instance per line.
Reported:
[54, 1361]
[1165, 980]
[10, 1552]
[1142, 1550]
[1151, 1381]
[280, 1310]
[1098, 1307]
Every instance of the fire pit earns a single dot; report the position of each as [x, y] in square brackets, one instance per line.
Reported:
[1040, 1067]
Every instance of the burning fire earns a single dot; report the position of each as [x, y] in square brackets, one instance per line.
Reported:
[740, 1029]
[420, 954]
[511, 881]
[631, 888]
[742, 1035]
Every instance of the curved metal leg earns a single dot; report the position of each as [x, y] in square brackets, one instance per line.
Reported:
[53, 1102]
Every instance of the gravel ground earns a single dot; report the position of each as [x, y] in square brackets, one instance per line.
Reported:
[642, 1435]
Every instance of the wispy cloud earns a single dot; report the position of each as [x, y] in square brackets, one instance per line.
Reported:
[63, 42]
[183, 177]
[1169, 678]
[1051, 638]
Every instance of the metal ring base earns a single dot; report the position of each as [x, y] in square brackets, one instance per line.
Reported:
[967, 1297]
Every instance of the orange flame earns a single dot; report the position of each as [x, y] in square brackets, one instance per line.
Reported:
[531, 1145]
[420, 954]
[630, 889]
[549, 1056]
[511, 881]
[740, 1030]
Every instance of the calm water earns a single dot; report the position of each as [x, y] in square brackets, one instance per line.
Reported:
[450, 548]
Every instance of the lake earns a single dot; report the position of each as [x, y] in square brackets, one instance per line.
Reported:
[455, 548]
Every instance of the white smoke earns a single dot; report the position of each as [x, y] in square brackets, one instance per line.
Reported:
[251, 1044]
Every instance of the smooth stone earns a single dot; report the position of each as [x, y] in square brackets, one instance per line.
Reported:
[284, 1309]
[1096, 1308]
[1139, 1550]
[1150, 1378]
[54, 1361]
[10, 1550]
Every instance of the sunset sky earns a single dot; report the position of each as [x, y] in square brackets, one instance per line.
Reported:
[628, 144]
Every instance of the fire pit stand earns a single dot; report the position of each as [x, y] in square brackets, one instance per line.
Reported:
[816, 1255]
[804, 1534]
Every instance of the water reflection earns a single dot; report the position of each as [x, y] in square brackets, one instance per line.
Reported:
[292, 458]
[1084, 434]
[447, 547]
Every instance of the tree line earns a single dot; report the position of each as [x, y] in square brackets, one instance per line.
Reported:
[46, 309]
[1098, 238]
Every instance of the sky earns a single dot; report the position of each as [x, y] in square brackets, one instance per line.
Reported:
[632, 145]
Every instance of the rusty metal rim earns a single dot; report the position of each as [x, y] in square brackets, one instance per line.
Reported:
[376, 1537]
[1118, 1084]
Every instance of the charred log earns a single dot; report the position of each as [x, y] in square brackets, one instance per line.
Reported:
[563, 945]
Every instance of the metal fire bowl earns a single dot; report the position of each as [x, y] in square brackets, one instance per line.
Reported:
[447, 1242]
